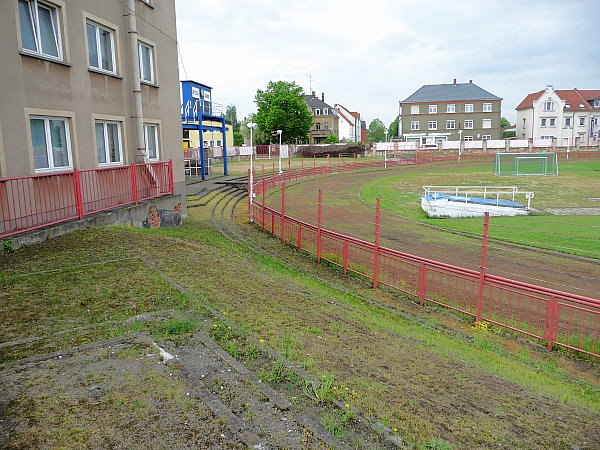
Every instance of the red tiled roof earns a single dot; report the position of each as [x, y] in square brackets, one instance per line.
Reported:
[572, 97]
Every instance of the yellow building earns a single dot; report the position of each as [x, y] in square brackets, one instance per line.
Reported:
[211, 138]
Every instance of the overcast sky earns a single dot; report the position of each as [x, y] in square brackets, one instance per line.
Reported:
[369, 55]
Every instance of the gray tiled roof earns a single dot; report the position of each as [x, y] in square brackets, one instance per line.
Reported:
[315, 102]
[450, 93]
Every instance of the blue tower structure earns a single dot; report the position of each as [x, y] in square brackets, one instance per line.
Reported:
[197, 107]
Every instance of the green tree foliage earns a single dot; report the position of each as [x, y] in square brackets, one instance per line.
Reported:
[282, 107]
[376, 131]
[393, 128]
[238, 138]
[231, 116]
[332, 139]
[504, 122]
[509, 134]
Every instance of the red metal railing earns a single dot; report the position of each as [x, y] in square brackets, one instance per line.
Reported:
[27, 203]
[560, 318]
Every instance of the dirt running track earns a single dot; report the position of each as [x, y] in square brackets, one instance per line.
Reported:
[345, 212]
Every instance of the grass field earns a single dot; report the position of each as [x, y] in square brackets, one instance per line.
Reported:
[576, 182]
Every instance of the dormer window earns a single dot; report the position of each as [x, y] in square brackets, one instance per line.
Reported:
[549, 106]
[567, 106]
[317, 111]
[581, 105]
[597, 103]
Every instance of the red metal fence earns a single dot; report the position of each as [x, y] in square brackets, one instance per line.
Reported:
[27, 203]
[560, 318]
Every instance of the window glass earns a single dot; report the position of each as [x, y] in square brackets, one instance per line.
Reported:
[468, 107]
[145, 63]
[112, 134]
[100, 147]
[25, 19]
[92, 45]
[47, 31]
[106, 49]
[151, 143]
[38, 140]
[58, 136]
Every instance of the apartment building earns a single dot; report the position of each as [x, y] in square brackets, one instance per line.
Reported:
[325, 119]
[454, 111]
[349, 124]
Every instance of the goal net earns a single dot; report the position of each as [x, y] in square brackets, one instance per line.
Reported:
[544, 163]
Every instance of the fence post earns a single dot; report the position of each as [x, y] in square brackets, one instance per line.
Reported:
[422, 284]
[264, 189]
[319, 207]
[249, 196]
[172, 177]
[283, 213]
[376, 247]
[78, 195]
[134, 189]
[484, 243]
[345, 257]
[299, 236]
[551, 319]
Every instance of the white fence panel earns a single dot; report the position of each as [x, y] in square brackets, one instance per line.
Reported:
[542, 143]
[285, 151]
[450, 145]
[496, 143]
[519, 143]
[246, 151]
[473, 144]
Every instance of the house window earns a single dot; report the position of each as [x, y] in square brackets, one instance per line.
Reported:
[524, 120]
[582, 121]
[108, 142]
[567, 122]
[151, 140]
[451, 108]
[317, 111]
[40, 28]
[100, 47]
[468, 107]
[50, 142]
[432, 125]
[487, 107]
[432, 109]
[318, 125]
[414, 125]
[596, 103]
[326, 125]
[468, 138]
[487, 123]
[468, 124]
[544, 122]
[450, 124]
[549, 105]
[146, 54]
[552, 122]
[486, 137]
[547, 137]
[414, 109]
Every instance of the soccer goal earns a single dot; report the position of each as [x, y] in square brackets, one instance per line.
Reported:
[544, 163]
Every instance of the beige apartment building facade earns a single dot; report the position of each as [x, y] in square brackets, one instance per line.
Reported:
[88, 84]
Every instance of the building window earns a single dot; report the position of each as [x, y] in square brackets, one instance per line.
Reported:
[432, 109]
[487, 107]
[146, 54]
[40, 28]
[582, 121]
[151, 140]
[549, 105]
[547, 137]
[318, 125]
[317, 111]
[432, 125]
[567, 122]
[414, 109]
[468, 124]
[108, 142]
[544, 122]
[100, 47]
[468, 138]
[414, 125]
[324, 112]
[326, 125]
[487, 123]
[451, 108]
[468, 107]
[552, 122]
[50, 142]
[524, 120]
[486, 137]
[596, 103]
[450, 124]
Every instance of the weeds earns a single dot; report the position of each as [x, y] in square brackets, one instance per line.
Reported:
[321, 392]
[279, 373]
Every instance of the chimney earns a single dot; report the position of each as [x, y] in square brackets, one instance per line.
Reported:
[454, 82]
[313, 93]
[322, 96]
[471, 81]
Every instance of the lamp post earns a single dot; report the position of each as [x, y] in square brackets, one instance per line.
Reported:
[252, 127]
[279, 132]
[459, 142]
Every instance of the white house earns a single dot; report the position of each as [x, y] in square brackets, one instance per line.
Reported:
[561, 113]
[349, 124]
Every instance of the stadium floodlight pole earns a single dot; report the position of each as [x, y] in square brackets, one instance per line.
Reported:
[252, 127]
[279, 132]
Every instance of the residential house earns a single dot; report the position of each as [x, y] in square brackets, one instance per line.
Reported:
[349, 124]
[325, 119]
[454, 111]
[568, 114]
[88, 85]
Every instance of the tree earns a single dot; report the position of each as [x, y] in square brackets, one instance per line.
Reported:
[332, 139]
[238, 138]
[231, 116]
[504, 122]
[376, 131]
[393, 128]
[282, 107]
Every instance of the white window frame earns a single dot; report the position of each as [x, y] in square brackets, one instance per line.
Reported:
[543, 123]
[318, 126]
[317, 111]
[99, 50]
[468, 125]
[324, 112]
[568, 122]
[582, 121]
[552, 122]
[451, 108]
[326, 125]
[33, 8]
[147, 130]
[432, 125]
[143, 75]
[49, 153]
[596, 103]
[486, 124]
[487, 107]
[432, 109]
[468, 138]
[450, 124]
[415, 109]
[414, 125]
[106, 149]
[468, 107]
[548, 105]
[486, 137]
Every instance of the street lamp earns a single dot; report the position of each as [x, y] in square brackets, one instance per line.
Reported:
[459, 142]
[279, 132]
[252, 127]
[385, 149]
